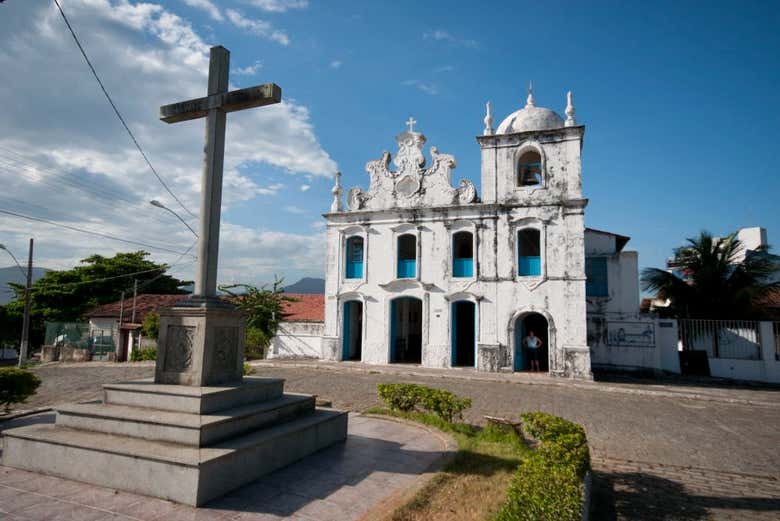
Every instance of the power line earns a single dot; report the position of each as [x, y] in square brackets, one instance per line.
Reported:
[116, 111]
[90, 232]
[177, 261]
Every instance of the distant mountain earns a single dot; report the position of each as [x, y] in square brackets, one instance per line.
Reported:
[13, 274]
[307, 285]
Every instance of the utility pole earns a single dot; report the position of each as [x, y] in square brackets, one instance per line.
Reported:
[26, 321]
[135, 293]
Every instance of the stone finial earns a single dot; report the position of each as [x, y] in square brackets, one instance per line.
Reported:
[570, 122]
[488, 120]
[335, 206]
[529, 101]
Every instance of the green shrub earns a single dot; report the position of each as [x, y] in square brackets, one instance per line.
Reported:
[151, 325]
[542, 490]
[248, 369]
[16, 385]
[548, 484]
[140, 355]
[407, 397]
[256, 343]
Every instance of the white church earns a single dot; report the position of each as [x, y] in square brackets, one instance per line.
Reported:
[423, 272]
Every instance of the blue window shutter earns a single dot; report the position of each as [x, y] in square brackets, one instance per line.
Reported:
[463, 267]
[597, 277]
[354, 258]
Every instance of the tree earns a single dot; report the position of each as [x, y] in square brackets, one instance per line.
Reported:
[263, 308]
[151, 325]
[66, 296]
[714, 283]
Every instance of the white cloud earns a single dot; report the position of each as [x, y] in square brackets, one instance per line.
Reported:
[319, 225]
[305, 188]
[69, 160]
[423, 86]
[279, 6]
[258, 27]
[295, 209]
[335, 64]
[444, 36]
[207, 6]
[444, 68]
[249, 70]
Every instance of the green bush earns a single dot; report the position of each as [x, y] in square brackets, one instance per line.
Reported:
[542, 490]
[16, 385]
[256, 343]
[407, 397]
[548, 484]
[248, 369]
[151, 325]
[140, 355]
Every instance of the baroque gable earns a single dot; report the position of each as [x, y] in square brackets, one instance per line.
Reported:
[413, 184]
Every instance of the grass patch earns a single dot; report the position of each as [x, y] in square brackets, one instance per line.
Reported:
[473, 486]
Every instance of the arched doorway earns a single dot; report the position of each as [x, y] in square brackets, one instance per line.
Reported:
[406, 330]
[523, 325]
[352, 332]
[464, 331]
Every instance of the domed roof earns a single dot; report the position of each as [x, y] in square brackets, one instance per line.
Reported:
[530, 117]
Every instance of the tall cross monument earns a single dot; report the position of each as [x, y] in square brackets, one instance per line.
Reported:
[202, 340]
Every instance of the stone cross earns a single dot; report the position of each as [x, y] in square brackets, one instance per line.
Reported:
[214, 107]
[412, 122]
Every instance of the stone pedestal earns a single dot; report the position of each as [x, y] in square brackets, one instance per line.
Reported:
[200, 344]
[195, 432]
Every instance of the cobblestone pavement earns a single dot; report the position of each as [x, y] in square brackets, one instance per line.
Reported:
[340, 483]
[657, 456]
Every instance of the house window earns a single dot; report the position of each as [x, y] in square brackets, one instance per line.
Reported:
[463, 254]
[355, 258]
[529, 260]
[596, 274]
[407, 257]
[529, 170]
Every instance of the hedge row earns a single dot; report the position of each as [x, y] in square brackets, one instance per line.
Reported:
[408, 397]
[548, 484]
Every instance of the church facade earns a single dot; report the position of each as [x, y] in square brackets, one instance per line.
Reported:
[420, 271]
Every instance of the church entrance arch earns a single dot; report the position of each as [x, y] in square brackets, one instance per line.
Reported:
[523, 325]
[352, 332]
[406, 330]
[463, 328]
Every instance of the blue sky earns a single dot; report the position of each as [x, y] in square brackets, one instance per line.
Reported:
[677, 98]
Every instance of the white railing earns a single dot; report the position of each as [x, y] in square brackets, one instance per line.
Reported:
[736, 339]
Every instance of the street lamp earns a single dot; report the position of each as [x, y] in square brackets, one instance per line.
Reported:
[23, 347]
[158, 204]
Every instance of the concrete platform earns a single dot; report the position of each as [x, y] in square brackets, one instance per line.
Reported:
[380, 460]
[178, 427]
[139, 441]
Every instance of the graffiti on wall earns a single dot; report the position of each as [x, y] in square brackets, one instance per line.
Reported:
[631, 334]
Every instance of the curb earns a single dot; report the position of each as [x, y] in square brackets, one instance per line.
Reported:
[22, 414]
[568, 383]
[385, 508]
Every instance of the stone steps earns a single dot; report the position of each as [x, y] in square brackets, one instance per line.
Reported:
[195, 400]
[174, 471]
[184, 428]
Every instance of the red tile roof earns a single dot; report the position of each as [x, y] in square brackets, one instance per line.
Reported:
[307, 308]
[144, 304]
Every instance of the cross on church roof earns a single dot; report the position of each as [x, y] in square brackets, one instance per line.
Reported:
[411, 122]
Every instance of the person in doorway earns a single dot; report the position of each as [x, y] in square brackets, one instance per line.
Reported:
[533, 343]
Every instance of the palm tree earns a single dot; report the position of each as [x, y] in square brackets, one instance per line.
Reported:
[714, 283]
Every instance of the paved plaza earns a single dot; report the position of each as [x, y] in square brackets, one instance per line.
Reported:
[660, 452]
[379, 459]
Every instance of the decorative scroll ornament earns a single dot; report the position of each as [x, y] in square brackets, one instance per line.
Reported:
[412, 185]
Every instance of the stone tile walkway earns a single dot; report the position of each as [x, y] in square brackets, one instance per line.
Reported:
[379, 459]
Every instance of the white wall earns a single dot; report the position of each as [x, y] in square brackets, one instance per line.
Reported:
[297, 340]
[622, 283]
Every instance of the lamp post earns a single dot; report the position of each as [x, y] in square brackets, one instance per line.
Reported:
[26, 320]
[158, 204]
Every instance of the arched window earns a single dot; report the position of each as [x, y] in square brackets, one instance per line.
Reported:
[529, 260]
[354, 258]
[407, 257]
[463, 254]
[529, 169]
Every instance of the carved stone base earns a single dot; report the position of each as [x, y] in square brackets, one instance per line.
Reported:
[201, 343]
[489, 357]
[576, 362]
